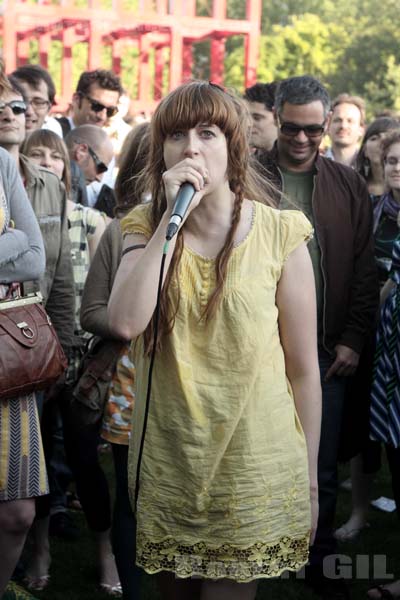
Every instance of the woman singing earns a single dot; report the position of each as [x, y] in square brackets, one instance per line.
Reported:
[228, 477]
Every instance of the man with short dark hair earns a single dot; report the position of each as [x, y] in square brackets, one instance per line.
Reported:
[335, 199]
[39, 92]
[260, 99]
[95, 100]
[346, 128]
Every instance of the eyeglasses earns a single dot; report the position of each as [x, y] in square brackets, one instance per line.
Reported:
[99, 165]
[39, 103]
[311, 131]
[17, 106]
[392, 161]
[98, 107]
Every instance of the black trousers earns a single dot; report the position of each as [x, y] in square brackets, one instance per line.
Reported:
[333, 397]
[81, 444]
[124, 527]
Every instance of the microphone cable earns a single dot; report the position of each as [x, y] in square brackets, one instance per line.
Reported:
[150, 376]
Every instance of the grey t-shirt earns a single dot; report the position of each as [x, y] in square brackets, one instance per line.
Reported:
[298, 189]
[22, 256]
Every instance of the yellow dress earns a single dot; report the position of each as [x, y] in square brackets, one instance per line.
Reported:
[224, 488]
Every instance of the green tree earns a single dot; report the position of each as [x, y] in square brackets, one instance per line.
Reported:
[305, 45]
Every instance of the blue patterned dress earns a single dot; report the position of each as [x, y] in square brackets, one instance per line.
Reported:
[385, 393]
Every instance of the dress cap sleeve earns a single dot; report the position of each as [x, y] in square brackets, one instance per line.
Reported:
[295, 229]
[138, 221]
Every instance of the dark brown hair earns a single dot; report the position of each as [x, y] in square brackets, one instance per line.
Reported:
[103, 78]
[132, 160]
[379, 125]
[33, 75]
[184, 108]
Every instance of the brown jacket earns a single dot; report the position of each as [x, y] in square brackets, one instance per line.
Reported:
[343, 226]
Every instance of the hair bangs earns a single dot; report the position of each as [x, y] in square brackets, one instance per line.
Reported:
[381, 125]
[194, 103]
[45, 137]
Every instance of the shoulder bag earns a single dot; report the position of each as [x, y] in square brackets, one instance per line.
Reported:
[31, 356]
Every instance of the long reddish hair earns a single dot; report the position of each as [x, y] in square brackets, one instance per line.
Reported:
[184, 108]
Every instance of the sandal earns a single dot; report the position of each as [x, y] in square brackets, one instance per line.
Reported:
[112, 590]
[384, 593]
[73, 502]
[345, 534]
[36, 584]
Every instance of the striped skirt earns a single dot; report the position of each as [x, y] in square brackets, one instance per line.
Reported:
[385, 392]
[22, 465]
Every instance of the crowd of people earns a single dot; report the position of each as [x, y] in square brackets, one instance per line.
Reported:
[265, 351]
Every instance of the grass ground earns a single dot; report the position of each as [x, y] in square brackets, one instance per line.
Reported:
[73, 572]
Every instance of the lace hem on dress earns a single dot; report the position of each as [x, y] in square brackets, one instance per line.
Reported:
[242, 564]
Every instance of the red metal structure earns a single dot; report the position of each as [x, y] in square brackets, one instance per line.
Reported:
[152, 27]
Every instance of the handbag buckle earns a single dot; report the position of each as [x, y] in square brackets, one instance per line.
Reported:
[26, 330]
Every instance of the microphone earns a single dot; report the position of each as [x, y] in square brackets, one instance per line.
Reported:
[182, 203]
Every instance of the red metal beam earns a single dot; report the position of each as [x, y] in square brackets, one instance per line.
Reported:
[217, 55]
[157, 24]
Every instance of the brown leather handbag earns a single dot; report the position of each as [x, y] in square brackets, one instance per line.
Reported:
[97, 369]
[31, 357]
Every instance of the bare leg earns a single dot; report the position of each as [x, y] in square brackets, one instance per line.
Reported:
[198, 589]
[172, 588]
[393, 588]
[37, 571]
[16, 517]
[361, 489]
[109, 577]
[224, 589]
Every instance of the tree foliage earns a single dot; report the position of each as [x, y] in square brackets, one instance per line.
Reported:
[352, 47]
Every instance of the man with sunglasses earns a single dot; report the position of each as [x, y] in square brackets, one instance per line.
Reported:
[95, 100]
[335, 200]
[91, 149]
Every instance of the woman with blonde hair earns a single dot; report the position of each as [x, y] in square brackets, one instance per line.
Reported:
[224, 475]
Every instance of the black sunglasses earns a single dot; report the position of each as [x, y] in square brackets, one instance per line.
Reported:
[98, 107]
[99, 165]
[311, 131]
[17, 106]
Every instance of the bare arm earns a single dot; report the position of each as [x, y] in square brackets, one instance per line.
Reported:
[387, 288]
[138, 273]
[137, 278]
[296, 303]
